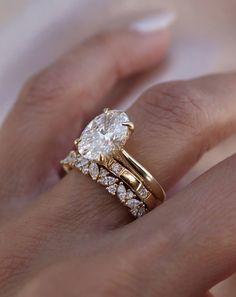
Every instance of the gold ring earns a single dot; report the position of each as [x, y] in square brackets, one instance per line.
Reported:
[100, 153]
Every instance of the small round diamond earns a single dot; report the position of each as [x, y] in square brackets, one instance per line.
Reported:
[116, 168]
[141, 212]
[112, 189]
[143, 192]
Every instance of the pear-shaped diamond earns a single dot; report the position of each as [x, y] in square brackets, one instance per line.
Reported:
[70, 159]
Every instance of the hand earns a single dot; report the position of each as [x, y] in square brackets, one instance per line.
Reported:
[66, 237]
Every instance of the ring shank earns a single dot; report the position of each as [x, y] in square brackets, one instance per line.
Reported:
[145, 176]
[133, 181]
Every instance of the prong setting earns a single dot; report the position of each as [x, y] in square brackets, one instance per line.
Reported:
[102, 160]
[77, 141]
[130, 125]
[106, 110]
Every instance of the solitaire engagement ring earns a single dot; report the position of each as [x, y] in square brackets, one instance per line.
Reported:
[100, 153]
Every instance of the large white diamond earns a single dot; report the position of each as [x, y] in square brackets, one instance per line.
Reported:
[104, 135]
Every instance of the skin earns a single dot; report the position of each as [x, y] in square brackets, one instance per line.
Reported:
[66, 236]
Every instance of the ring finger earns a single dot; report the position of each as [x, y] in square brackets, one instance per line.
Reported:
[54, 104]
[175, 124]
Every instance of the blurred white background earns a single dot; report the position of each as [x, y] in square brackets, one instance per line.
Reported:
[8, 8]
[33, 33]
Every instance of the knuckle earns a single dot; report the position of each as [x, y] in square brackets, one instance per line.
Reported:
[134, 269]
[103, 39]
[177, 106]
[110, 47]
[103, 42]
[113, 280]
[124, 280]
[44, 87]
[47, 90]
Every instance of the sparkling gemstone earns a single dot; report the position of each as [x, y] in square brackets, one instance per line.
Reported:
[112, 189]
[129, 194]
[94, 170]
[103, 172]
[116, 168]
[70, 159]
[141, 212]
[134, 211]
[85, 169]
[121, 192]
[143, 192]
[107, 180]
[133, 203]
[81, 163]
[104, 135]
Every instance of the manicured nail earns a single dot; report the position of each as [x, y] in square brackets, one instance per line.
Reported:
[154, 23]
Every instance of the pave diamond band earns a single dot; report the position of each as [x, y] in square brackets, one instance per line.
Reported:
[100, 154]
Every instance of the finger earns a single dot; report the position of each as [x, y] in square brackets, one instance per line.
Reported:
[208, 294]
[198, 227]
[54, 104]
[180, 121]
[175, 124]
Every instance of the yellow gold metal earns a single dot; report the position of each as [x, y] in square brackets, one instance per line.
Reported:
[127, 171]
[145, 176]
[77, 141]
[130, 179]
[103, 160]
[130, 125]
[106, 110]
[137, 182]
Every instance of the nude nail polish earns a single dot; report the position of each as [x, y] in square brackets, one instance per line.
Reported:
[154, 23]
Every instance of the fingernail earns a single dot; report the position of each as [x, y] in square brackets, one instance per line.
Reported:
[154, 23]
